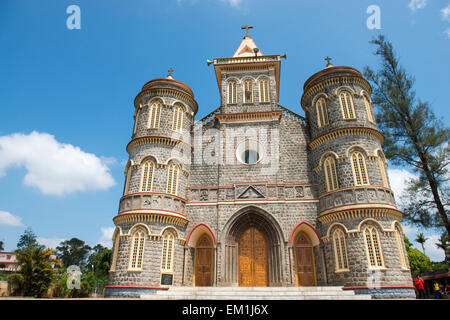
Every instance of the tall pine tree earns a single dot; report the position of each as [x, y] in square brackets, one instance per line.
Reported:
[413, 138]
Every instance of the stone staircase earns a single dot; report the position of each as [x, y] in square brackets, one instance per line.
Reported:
[255, 293]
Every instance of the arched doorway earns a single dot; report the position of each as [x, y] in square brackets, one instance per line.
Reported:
[203, 264]
[252, 258]
[304, 260]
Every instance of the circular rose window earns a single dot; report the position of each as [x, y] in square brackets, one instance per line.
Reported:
[249, 152]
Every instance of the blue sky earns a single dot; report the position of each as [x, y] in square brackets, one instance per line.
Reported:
[75, 88]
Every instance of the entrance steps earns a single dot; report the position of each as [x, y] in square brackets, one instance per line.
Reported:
[255, 293]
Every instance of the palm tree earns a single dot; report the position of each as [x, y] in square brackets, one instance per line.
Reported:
[35, 271]
[421, 239]
[444, 244]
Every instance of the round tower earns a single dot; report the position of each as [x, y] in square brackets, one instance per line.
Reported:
[359, 221]
[151, 222]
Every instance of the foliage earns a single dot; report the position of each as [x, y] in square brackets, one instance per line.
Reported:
[421, 239]
[444, 244]
[101, 259]
[35, 271]
[418, 262]
[27, 239]
[413, 137]
[1, 246]
[87, 286]
[73, 252]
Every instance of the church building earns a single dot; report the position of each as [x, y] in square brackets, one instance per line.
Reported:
[254, 194]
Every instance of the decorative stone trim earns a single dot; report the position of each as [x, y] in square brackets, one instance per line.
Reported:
[291, 114]
[346, 132]
[151, 216]
[158, 140]
[333, 81]
[249, 117]
[360, 212]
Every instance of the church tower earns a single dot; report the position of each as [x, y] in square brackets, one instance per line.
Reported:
[359, 221]
[150, 224]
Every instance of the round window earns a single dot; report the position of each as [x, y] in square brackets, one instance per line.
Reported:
[249, 152]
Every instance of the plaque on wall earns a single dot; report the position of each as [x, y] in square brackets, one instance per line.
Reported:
[166, 279]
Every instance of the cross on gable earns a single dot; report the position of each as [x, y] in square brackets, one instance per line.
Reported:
[246, 27]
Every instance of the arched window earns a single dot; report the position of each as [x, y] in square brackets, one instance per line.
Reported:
[167, 252]
[248, 91]
[172, 179]
[115, 252]
[373, 247]
[401, 251]
[330, 173]
[322, 115]
[382, 166]
[154, 114]
[348, 111]
[126, 189]
[369, 109]
[359, 169]
[340, 250]
[177, 123]
[264, 90]
[147, 172]
[137, 250]
[232, 92]
[136, 121]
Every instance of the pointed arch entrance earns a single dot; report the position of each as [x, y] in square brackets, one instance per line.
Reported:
[304, 260]
[252, 254]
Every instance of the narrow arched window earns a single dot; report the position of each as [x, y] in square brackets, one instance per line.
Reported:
[167, 252]
[172, 179]
[373, 247]
[177, 123]
[382, 166]
[137, 251]
[401, 250]
[136, 121]
[232, 92]
[340, 250]
[322, 115]
[330, 173]
[369, 109]
[154, 115]
[248, 91]
[128, 172]
[115, 252]
[147, 173]
[348, 111]
[264, 90]
[359, 169]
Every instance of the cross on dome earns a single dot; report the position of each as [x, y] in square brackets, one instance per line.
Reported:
[246, 27]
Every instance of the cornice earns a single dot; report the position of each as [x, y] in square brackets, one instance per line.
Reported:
[360, 211]
[345, 132]
[249, 117]
[158, 140]
[151, 216]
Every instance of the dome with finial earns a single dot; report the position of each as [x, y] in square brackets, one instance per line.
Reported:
[168, 81]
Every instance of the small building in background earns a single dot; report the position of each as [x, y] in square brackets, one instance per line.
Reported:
[8, 262]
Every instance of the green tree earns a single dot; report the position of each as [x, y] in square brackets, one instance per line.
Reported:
[100, 258]
[73, 252]
[413, 137]
[35, 271]
[27, 239]
[421, 239]
[418, 262]
[1, 246]
[444, 244]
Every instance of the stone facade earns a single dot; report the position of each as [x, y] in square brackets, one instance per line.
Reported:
[221, 191]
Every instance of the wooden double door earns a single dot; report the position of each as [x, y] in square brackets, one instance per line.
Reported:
[203, 269]
[304, 260]
[252, 259]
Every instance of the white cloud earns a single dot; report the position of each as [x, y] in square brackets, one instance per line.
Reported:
[231, 3]
[398, 179]
[417, 4]
[7, 219]
[447, 32]
[53, 167]
[106, 239]
[50, 242]
[445, 12]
